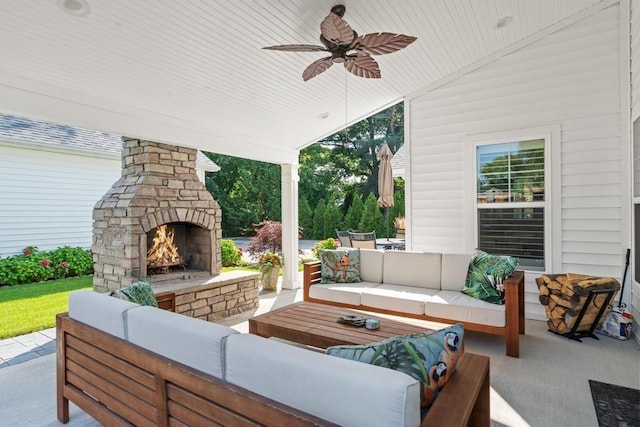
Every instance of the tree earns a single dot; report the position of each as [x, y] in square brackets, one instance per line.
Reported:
[354, 214]
[339, 167]
[248, 192]
[318, 220]
[372, 219]
[305, 217]
[353, 151]
[332, 220]
[397, 209]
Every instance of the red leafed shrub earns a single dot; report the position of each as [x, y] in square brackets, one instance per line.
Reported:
[268, 238]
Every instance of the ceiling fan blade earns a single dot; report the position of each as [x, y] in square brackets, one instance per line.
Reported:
[336, 30]
[296, 47]
[363, 65]
[381, 43]
[317, 67]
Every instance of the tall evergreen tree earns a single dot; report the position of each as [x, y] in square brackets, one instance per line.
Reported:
[332, 220]
[354, 214]
[398, 200]
[318, 220]
[372, 219]
[305, 218]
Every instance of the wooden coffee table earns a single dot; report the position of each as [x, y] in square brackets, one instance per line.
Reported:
[316, 325]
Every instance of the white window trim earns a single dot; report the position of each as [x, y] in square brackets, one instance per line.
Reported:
[553, 180]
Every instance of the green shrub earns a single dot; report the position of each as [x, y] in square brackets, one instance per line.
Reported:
[72, 261]
[34, 265]
[30, 266]
[229, 253]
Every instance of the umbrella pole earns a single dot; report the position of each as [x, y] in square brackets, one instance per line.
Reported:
[386, 218]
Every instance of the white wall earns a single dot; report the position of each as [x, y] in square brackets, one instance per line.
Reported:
[570, 79]
[635, 116]
[47, 196]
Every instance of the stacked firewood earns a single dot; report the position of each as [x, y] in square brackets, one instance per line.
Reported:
[564, 295]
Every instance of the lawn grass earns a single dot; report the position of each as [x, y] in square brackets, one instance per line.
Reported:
[33, 307]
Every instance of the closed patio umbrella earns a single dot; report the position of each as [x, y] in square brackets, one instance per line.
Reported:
[385, 182]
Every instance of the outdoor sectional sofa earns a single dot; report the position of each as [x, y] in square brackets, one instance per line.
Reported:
[425, 286]
[125, 364]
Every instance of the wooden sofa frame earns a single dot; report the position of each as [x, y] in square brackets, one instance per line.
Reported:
[514, 308]
[119, 383]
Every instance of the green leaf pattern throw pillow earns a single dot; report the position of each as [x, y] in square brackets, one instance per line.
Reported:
[340, 265]
[139, 292]
[430, 357]
[486, 274]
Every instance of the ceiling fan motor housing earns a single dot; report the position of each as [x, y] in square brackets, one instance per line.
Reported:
[339, 10]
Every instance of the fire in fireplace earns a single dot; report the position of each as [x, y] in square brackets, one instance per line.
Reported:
[163, 255]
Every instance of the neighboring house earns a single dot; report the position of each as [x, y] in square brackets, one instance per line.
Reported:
[397, 163]
[52, 175]
[564, 95]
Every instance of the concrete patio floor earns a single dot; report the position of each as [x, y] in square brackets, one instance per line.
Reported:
[535, 390]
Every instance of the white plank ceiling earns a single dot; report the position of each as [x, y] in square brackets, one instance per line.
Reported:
[193, 72]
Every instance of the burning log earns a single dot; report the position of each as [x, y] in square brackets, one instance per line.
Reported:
[564, 296]
[163, 254]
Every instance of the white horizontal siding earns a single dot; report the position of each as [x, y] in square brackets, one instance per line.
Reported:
[635, 57]
[47, 197]
[570, 78]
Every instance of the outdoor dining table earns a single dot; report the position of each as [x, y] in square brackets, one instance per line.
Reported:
[384, 243]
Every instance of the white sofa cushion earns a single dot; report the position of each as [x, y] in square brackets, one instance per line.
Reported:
[419, 269]
[345, 293]
[371, 261]
[341, 391]
[463, 308]
[100, 311]
[406, 299]
[454, 271]
[193, 342]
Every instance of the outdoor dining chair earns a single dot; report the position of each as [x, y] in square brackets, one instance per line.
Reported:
[343, 237]
[363, 240]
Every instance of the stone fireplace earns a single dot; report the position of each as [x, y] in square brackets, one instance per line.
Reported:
[158, 188]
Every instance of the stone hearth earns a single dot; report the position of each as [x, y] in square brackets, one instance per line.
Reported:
[158, 186]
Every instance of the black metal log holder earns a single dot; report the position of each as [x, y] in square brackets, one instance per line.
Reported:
[576, 335]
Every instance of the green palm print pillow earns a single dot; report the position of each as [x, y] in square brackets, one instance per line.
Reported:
[430, 357]
[486, 274]
[340, 265]
[139, 292]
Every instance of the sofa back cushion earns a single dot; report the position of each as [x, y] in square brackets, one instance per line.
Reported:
[100, 311]
[193, 342]
[371, 261]
[419, 269]
[338, 390]
[454, 271]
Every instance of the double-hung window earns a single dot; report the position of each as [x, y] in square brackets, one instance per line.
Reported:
[511, 203]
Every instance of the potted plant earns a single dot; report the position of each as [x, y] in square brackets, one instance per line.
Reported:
[269, 265]
[329, 243]
[399, 224]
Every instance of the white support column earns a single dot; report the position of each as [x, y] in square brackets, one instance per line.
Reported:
[289, 179]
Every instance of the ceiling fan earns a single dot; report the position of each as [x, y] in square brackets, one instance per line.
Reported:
[347, 48]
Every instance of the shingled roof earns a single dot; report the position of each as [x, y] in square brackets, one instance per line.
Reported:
[22, 130]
